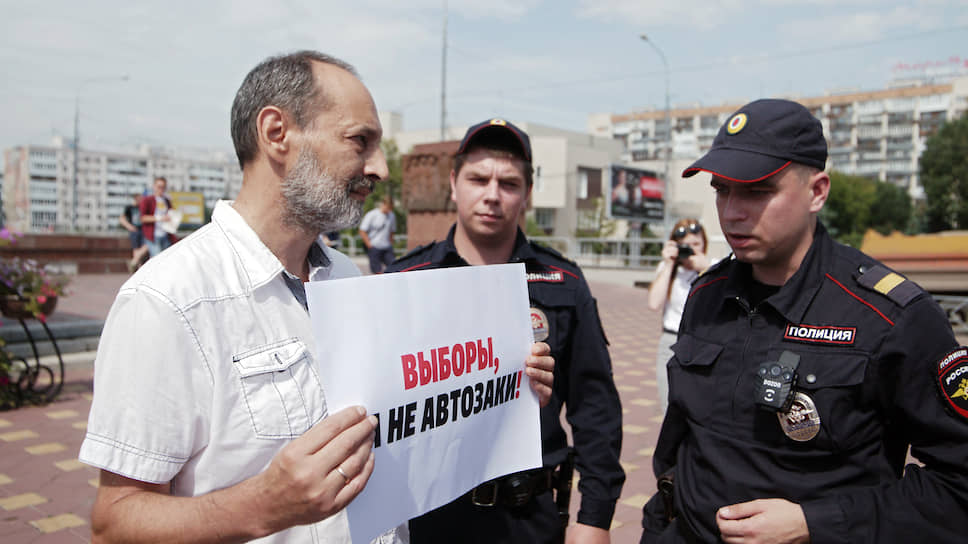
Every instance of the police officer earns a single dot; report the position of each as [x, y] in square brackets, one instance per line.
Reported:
[491, 183]
[804, 369]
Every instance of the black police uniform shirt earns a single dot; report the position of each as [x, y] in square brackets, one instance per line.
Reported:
[583, 370]
[869, 357]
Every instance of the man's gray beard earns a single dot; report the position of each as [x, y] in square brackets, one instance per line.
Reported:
[315, 201]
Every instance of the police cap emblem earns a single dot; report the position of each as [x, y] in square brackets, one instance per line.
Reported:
[736, 123]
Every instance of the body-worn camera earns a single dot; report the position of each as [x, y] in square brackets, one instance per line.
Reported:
[775, 381]
[685, 251]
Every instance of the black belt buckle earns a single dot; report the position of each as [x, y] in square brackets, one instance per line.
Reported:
[485, 494]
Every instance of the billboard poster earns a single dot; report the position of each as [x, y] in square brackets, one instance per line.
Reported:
[637, 194]
[191, 205]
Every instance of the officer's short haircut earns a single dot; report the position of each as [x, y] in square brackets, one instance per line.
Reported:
[804, 172]
[284, 81]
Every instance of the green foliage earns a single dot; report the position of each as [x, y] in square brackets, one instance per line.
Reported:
[857, 204]
[944, 176]
[606, 225]
[532, 229]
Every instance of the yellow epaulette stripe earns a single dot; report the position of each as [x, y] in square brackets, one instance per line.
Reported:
[887, 283]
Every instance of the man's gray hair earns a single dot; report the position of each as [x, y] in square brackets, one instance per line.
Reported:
[284, 81]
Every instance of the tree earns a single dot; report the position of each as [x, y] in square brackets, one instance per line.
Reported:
[857, 204]
[944, 176]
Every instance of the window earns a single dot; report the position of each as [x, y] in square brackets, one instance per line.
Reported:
[588, 220]
[581, 190]
[544, 217]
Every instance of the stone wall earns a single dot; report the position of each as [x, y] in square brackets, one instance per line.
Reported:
[426, 192]
[74, 254]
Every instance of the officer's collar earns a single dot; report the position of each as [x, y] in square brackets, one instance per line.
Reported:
[795, 296]
[446, 253]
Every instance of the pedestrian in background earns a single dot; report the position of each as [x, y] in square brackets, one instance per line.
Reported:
[376, 230]
[683, 258]
[130, 219]
[154, 211]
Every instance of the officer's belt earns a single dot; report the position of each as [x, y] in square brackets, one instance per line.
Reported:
[513, 490]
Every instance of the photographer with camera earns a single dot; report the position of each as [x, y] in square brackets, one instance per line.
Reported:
[683, 258]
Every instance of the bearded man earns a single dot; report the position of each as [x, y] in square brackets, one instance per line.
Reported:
[210, 423]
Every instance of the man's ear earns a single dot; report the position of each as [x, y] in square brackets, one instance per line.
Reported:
[273, 132]
[819, 190]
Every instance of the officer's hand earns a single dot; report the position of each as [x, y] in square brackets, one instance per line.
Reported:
[302, 484]
[763, 520]
[540, 366]
[586, 534]
[670, 251]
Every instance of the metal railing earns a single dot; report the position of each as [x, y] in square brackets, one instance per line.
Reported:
[957, 310]
[353, 245]
[637, 253]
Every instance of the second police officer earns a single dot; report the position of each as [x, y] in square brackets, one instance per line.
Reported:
[490, 183]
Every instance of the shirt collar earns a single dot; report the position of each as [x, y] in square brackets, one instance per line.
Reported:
[795, 296]
[260, 265]
[446, 253]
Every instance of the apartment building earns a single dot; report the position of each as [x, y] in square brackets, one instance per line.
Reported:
[878, 134]
[38, 188]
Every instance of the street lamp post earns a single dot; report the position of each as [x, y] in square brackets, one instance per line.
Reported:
[668, 121]
[77, 136]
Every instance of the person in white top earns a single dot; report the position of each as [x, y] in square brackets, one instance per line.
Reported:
[209, 421]
[683, 259]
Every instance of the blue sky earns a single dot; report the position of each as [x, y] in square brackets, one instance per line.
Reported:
[550, 62]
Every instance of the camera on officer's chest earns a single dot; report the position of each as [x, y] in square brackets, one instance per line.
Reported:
[776, 381]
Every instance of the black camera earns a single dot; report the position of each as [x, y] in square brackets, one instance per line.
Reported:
[685, 251]
[775, 381]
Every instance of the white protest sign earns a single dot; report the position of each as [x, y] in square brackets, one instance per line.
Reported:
[439, 356]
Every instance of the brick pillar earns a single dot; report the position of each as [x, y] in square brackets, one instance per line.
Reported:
[426, 192]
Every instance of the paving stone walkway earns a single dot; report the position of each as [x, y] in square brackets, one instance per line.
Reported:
[46, 494]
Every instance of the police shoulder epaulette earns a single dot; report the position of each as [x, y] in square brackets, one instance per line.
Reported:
[717, 266]
[553, 252]
[414, 252]
[890, 284]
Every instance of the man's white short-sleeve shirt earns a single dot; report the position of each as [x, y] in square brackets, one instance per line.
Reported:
[206, 368]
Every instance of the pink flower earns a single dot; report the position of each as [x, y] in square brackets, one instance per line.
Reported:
[41, 299]
[42, 318]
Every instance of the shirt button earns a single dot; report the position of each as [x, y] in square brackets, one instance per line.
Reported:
[861, 269]
[811, 378]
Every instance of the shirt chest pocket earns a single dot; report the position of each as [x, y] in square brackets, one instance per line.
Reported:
[555, 309]
[281, 389]
[833, 382]
[693, 383]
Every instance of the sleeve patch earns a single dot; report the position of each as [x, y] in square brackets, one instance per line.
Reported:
[953, 381]
[890, 284]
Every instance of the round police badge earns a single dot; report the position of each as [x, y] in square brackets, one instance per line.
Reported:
[736, 124]
[953, 380]
[539, 324]
[802, 421]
